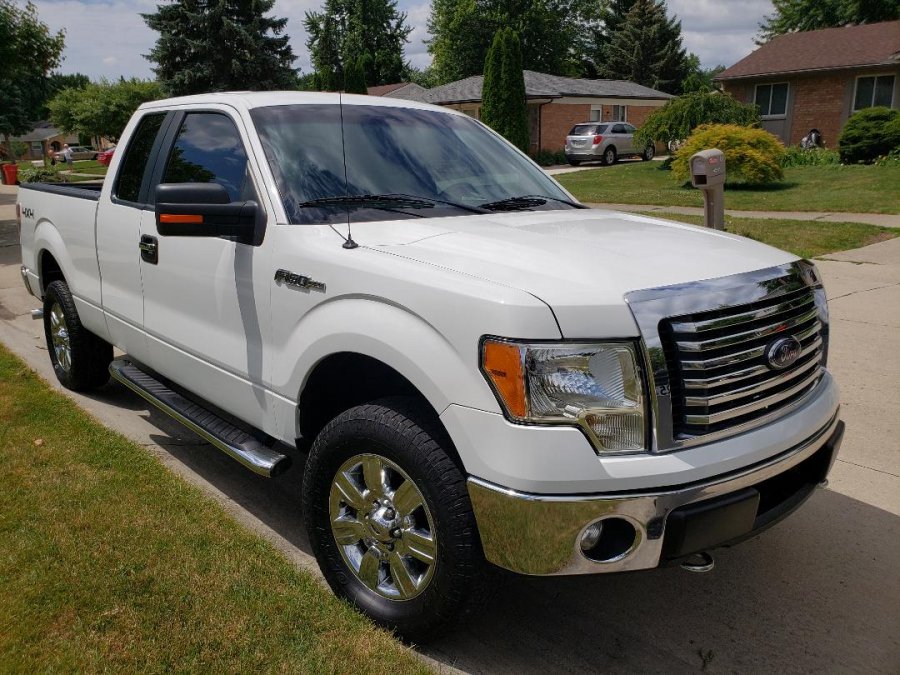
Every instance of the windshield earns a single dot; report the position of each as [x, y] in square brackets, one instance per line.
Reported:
[447, 160]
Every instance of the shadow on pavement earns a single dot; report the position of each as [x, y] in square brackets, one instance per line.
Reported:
[820, 591]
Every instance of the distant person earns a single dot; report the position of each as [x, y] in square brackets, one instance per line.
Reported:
[67, 155]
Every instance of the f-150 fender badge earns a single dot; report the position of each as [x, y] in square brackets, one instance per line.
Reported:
[298, 280]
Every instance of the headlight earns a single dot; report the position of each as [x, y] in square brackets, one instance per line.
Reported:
[596, 386]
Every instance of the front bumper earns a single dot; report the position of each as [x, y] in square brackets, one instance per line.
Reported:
[542, 534]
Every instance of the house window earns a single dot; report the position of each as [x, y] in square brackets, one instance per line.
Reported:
[618, 113]
[771, 99]
[874, 91]
[596, 114]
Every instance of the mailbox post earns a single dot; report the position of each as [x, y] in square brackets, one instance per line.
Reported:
[708, 174]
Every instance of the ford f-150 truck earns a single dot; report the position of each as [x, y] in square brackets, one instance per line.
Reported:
[475, 370]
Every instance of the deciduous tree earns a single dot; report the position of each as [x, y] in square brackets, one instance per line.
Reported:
[346, 31]
[220, 45]
[28, 52]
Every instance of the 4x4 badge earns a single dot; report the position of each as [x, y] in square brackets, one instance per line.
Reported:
[298, 280]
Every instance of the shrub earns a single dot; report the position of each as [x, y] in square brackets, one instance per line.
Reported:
[550, 158]
[870, 134]
[42, 174]
[890, 159]
[752, 156]
[678, 118]
[797, 156]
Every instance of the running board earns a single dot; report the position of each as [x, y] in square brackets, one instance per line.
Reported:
[234, 442]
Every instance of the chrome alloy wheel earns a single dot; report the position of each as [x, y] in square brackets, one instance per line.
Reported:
[382, 527]
[59, 334]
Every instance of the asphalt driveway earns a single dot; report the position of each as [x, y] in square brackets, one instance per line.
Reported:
[820, 591]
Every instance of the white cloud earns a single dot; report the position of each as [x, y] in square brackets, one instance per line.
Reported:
[720, 31]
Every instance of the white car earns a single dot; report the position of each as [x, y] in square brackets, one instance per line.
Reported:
[473, 369]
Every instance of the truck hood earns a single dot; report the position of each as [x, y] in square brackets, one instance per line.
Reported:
[581, 263]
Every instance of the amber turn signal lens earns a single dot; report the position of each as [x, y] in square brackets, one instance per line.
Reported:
[502, 362]
[181, 218]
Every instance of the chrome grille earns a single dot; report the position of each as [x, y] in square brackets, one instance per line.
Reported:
[719, 375]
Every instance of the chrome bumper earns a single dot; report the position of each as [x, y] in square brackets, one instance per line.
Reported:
[542, 534]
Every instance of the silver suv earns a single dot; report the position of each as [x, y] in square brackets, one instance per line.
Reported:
[592, 141]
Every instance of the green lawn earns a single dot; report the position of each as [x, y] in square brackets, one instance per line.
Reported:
[98, 170]
[83, 165]
[807, 239]
[110, 563]
[862, 189]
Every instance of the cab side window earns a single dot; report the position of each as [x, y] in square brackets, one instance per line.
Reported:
[208, 149]
[134, 164]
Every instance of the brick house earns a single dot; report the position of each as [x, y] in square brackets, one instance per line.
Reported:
[817, 79]
[42, 140]
[555, 104]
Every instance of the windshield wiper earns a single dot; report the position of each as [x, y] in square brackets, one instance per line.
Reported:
[369, 201]
[526, 202]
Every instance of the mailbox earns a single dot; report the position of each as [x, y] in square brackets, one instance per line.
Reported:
[708, 175]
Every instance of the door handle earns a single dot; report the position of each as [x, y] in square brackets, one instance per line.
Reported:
[149, 247]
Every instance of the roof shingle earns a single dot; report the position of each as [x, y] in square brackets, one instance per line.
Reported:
[827, 49]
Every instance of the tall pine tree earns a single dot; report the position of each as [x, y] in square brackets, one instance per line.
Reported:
[220, 45]
[800, 15]
[345, 31]
[504, 107]
[644, 46]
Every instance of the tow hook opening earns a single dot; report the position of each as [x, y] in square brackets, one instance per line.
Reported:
[608, 540]
[699, 562]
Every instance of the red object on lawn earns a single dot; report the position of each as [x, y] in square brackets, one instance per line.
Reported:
[11, 174]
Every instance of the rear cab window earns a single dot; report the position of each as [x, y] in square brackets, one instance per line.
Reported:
[137, 154]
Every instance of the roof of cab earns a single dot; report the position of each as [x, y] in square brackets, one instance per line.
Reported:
[263, 99]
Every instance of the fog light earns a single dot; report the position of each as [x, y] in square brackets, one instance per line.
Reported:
[591, 536]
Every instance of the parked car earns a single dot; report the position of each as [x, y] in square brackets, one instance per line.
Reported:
[474, 369]
[82, 152]
[606, 142]
[105, 157]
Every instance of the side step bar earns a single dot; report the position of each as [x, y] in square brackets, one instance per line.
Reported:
[234, 442]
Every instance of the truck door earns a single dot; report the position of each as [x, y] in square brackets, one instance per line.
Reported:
[206, 299]
[122, 209]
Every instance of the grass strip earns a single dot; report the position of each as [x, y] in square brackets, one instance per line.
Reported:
[108, 562]
[836, 188]
[804, 238]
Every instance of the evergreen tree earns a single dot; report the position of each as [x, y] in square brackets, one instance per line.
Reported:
[491, 88]
[801, 15]
[504, 108]
[220, 45]
[355, 77]
[345, 31]
[645, 47]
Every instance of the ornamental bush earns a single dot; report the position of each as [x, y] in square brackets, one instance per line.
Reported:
[42, 174]
[870, 134]
[503, 106]
[797, 156]
[752, 156]
[675, 121]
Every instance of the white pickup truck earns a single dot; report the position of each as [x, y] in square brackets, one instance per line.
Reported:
[475, 370]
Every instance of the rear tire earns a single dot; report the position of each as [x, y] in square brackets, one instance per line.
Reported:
[80, 359]
[609, 156]
[422, 503]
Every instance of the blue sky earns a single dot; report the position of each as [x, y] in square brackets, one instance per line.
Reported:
[107, 38]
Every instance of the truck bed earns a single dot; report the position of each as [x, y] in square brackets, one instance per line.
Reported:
[89, 190]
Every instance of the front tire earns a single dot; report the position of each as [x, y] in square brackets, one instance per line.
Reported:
[80, 359]
[649, 152]
[573, 162]
[389, 518]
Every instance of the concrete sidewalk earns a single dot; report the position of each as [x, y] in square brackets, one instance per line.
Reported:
[819, 592]
[881, 219]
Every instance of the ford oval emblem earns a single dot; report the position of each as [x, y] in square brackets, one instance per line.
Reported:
[783, 352]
